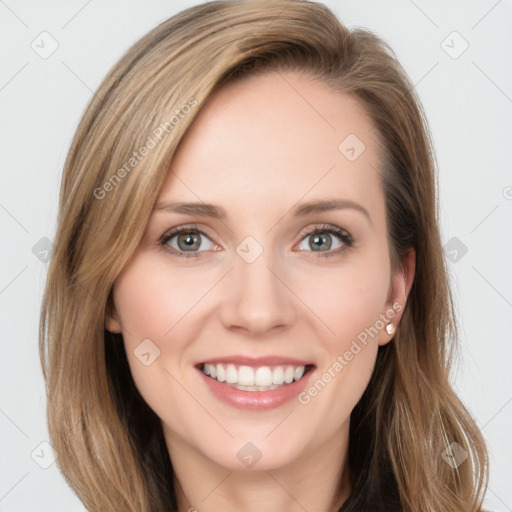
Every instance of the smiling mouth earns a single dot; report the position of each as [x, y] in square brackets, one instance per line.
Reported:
[260, 378]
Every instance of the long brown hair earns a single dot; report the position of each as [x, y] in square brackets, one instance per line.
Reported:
[109, 442]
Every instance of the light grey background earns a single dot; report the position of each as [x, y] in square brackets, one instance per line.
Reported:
[468, 100]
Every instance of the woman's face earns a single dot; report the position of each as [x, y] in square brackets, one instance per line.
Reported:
[248, 291]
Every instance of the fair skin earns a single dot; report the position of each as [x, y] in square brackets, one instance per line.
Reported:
[259, 147]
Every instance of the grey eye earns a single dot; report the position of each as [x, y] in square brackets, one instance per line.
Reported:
[320, 242]
[190, 241]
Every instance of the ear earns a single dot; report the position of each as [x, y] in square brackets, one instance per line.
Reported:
[399, 289]
[112, 321]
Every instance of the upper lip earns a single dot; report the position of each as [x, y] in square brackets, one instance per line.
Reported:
[271, 360]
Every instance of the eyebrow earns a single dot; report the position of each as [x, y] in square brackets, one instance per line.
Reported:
[301, 210]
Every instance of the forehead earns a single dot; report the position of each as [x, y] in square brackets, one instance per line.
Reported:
[274, 139]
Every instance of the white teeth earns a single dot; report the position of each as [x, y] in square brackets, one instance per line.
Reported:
[263, 376]
[247, 378]
[255, 388]
[299, 372]
[278, 375]
[231, 374]
[221, 373]
[210, 370]
[288, 374]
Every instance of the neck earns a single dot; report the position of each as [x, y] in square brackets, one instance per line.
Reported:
[317, 481]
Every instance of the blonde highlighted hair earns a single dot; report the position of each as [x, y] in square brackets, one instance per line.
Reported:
[109, 442]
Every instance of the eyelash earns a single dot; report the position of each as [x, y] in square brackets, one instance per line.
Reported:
[347, 239]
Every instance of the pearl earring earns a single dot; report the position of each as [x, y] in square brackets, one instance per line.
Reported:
[389, 328]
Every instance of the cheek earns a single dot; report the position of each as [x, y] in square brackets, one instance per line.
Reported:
[153, 306]
[348, 299]
[150, 300]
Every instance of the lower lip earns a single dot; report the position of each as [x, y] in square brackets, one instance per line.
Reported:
[256, 400]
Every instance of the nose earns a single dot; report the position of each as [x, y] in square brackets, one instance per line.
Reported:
[257, 298]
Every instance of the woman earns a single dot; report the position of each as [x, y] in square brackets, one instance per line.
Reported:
[248, 304]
